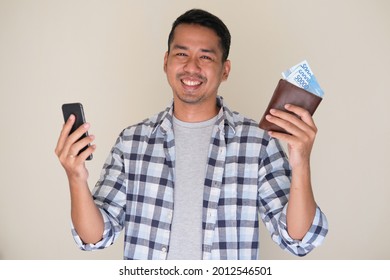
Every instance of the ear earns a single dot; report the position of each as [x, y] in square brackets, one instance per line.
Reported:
[226, 70]
[165, 62]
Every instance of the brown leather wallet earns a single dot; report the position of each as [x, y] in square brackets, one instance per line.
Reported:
[287, 93]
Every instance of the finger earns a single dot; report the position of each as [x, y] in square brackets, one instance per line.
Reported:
[75, 136]
[302, 113]
[78, 133]
[285, 120]
[291, 121]
[70, 140]
[79, 145]
[64, 134]
[85, 154]
[288, 138]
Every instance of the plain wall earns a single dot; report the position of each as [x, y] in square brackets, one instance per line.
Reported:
[109, 56]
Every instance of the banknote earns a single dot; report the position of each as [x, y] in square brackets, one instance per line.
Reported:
[302, 76]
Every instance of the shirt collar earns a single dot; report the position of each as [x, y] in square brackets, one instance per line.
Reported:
[225, 120]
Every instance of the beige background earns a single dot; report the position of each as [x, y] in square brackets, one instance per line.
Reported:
[109, 56]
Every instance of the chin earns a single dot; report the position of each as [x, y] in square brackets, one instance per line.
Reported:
[189, 99]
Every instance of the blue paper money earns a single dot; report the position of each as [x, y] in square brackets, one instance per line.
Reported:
[302, 76]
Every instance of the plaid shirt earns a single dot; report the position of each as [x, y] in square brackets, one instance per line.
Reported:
[247, 173]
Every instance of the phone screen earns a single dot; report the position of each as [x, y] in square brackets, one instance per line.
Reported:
[77, 110]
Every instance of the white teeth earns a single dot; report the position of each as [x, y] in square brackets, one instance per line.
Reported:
[191, 83]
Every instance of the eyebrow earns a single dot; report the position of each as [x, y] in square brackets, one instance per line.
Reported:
[180, 47]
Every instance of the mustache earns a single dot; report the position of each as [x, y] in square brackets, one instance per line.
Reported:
[191, 76]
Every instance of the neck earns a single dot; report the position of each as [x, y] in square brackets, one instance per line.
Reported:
[194, 112]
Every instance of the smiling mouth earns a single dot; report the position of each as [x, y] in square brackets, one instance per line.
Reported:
[191, 83]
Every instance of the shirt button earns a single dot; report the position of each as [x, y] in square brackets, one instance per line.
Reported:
[164, 249]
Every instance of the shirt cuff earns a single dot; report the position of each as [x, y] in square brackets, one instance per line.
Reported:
[312, 239]
[106, 240]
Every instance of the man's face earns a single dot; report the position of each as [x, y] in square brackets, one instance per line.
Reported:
[194, 65]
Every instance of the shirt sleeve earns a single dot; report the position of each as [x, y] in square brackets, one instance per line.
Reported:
[274, 190]
[109, 195]
[313, 238]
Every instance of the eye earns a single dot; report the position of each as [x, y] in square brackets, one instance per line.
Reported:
[181, 54]
[206, 57]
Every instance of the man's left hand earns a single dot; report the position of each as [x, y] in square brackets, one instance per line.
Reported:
[302, 132]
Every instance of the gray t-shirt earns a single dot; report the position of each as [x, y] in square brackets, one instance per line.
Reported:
[192, 141]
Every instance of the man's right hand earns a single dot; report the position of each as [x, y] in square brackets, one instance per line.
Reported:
[68, 147]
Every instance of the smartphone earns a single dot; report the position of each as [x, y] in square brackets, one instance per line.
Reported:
[77, 110]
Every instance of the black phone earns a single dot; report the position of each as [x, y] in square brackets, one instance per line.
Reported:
[77, 110]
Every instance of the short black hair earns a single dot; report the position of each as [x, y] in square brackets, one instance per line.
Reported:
[206, 19]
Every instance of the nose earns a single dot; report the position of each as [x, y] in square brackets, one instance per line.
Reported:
[192, 65]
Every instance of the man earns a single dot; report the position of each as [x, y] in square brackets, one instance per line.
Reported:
[189, 182]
